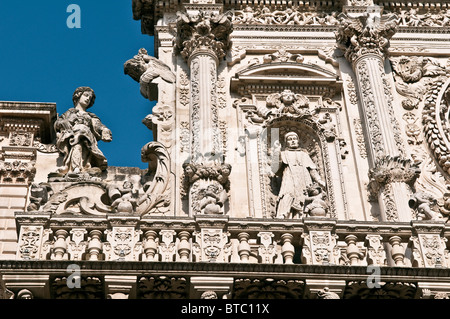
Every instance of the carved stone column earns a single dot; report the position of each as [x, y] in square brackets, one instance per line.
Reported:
[203, 41]
[364, 37]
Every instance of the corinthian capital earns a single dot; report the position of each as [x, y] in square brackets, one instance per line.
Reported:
[368, 33]
[203, 32]
[391, 170]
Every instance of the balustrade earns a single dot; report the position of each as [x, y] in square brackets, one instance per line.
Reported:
[411, 245]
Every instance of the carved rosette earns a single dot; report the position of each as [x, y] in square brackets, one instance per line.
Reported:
[368, 34]
[268, 288]
[389, 290]
[90, 288]
[162, 287]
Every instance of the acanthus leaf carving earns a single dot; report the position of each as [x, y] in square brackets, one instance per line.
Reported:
[368, 33]
[203, 31]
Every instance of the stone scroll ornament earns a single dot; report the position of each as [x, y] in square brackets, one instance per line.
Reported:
[414, 76]
[156, 186]
[77, 135]
[144, 69]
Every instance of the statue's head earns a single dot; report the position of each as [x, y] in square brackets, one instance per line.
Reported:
[291, 140]
[136, 66]
[189, 169]
[79, 92]
[225, 169]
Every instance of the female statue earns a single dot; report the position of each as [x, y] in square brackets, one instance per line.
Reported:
[77, 133]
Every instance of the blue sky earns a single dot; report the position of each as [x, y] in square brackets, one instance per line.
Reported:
[42, 60]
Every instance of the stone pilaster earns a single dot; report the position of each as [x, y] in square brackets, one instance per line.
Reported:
[203, 41]
[364, 36]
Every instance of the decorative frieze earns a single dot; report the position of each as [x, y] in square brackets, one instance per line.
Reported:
[17, 172]
[30, 242]
[162, 287]
[294, 15]
[376, 253]
[267, 250]
[320, 248]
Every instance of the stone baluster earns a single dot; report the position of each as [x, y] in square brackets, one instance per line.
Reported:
[95, 245]
[287, 249]
[353, 252]
[364, 37]
[60, 246]
[244, 247]
[397, 252]
[184, 246]
[151, 245]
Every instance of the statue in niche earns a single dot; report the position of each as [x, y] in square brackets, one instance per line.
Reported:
[77, 134]
[297, 171]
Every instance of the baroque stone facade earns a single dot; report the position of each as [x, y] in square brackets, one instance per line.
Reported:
[298, 148]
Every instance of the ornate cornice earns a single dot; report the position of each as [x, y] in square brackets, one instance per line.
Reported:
[235, 269]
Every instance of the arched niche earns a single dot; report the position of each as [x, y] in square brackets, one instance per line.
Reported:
[317, 91]
[311, 140]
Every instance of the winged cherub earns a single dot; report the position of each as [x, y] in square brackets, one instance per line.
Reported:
[144, 69]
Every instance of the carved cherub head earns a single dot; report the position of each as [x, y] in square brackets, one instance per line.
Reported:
[287, 97]
[80, 93]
